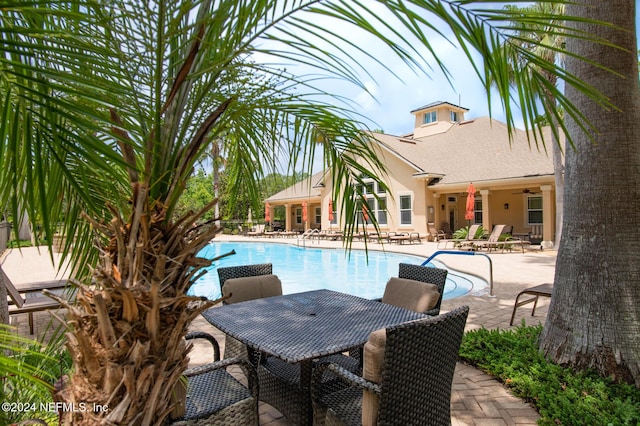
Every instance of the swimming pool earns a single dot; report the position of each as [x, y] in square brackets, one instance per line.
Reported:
[303, 269]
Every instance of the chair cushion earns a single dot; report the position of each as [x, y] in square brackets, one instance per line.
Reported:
[414, 295]
[373, 358]
[249, 288]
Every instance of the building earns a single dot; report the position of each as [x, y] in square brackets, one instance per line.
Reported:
[430, 170]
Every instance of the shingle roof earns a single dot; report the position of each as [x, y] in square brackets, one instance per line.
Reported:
[471, 151]
[433, 104]
[304, 189]
[474, 150]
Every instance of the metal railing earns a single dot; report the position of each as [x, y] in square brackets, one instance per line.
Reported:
[466, 253]
[307, 236]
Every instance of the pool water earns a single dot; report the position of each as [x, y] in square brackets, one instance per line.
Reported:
[303, 269]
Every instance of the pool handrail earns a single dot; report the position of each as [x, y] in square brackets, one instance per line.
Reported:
[466, 253]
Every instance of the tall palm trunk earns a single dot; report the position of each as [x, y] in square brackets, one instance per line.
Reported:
[593, 317]
[558, 172]
[128, 328]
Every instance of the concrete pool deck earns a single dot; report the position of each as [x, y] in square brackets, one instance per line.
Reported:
[477, 399]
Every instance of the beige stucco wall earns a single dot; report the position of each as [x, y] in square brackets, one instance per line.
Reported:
[400, 182]
[494, 212]
[442, 124]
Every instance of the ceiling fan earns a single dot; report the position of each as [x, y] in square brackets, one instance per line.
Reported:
[525, 191]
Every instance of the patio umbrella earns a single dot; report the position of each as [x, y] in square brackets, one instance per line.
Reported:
[249, 217]
[304, 211]
[365, 213]
[330, 210]
[267, 213]
[471, 192]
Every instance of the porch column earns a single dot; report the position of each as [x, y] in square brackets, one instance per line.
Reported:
[486, 210]
[548, 216]
[287, 217]
[436, 210]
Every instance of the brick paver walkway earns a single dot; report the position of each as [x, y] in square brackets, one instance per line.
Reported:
[477, 399]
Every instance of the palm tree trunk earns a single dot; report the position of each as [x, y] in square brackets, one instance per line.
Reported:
[558, 171]
[128, 325]
[215, 158]
[593, 317]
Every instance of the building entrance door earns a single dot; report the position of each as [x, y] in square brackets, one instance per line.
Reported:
[453, 214]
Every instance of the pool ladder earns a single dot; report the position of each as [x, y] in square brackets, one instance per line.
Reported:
[467, 253]
[307, 235]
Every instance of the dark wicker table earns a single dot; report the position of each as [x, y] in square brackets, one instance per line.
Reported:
[301, 327]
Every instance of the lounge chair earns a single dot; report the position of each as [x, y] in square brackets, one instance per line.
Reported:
[495, 242]
[256, 231]
[214, 396]
[471, 236]
[435, 234]
[446, 229]
[27, 298]
[407, 376]
[403, 237]
[542, 290]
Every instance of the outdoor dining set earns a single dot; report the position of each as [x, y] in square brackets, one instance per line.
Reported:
[328, 358]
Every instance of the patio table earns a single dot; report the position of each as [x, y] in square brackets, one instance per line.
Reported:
[301, 327]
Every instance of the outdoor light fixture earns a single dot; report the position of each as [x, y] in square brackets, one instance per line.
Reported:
[506, 206]
[442, 207]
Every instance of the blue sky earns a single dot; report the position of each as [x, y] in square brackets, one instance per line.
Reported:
[391, 99]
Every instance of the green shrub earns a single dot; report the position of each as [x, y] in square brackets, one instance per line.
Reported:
[561, 395]
[462, 233]
[19, 243]
[28, 371]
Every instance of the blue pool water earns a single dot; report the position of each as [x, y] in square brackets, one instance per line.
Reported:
[303, 269]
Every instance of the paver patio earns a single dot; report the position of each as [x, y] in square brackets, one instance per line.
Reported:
[477, 399]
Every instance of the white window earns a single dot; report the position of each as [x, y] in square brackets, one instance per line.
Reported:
[405, 210]
[454, 116]
[298, 216]
[477, 211]
[430, 117]
[534, 210]
[375, 206]
[318, 215]
[381, 211]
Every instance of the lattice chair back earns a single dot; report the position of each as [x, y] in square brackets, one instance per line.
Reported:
[418, 367]
[425, 274]
[228, 272]
[234, 348]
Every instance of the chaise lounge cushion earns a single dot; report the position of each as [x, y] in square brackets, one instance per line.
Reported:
[373, 359]
[249, 288]
[410, 294]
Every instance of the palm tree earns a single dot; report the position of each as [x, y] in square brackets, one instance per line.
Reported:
[106, 107]
[593, 316]
[547, 41]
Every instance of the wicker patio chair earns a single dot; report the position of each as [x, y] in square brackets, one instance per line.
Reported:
[407, 271]
[280, 381]
[425, 274]
[280, 384]
[233, 348]
[407, 378]
[225, 273]
[27, 298]
[215, 397]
